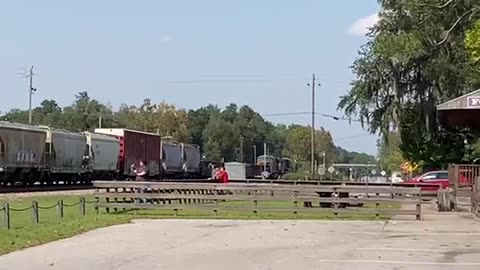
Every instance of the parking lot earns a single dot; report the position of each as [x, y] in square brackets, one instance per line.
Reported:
[447, 241]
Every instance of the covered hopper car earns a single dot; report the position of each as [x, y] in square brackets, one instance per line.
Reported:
[22, 150]
[30, 154]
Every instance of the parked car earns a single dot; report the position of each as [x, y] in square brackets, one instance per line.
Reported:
[432, 177]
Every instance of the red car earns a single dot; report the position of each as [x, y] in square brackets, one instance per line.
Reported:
[433, 177]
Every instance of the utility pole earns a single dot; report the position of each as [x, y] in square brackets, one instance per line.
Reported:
[254, 154]
[313, 127]
[323, 154]
[241, 149]
[264, 157]
[29, 75]
[100, 121]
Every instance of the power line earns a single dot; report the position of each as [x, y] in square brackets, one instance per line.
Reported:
[225, 81]
[247, 79]
[316, 113]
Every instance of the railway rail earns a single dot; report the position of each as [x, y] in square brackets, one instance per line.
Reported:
[5, 189]
[43, 188]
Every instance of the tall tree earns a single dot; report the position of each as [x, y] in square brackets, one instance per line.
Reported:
[198, 120]
[389, 152]
[415, 59]
[84, 114]
[298, 144]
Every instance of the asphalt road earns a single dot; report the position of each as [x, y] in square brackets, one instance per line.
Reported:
[440, 242]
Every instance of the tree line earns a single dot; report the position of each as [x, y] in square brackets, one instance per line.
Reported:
[419, 54]
[233, 133]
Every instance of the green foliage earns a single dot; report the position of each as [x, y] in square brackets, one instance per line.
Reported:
[472, 42]
[298, 144]
[24, 233]
[198, 121]
[414, 60]
[389, 152]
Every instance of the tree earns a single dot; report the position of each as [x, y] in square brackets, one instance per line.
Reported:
[198, 120]
[221, 140]
[298, 144]
[163, 119]
[414, 60]
[472, 42]
[84, 114]
[277, 139]
[229, 133]
[345, 157]
[389, 152]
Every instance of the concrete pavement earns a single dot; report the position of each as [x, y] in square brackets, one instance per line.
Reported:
[447, 241]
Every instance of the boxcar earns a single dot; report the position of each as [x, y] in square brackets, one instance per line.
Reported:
[21, 152]
[102, 158]
[134, 147]
[65, 153]
[191, 158]
[171, 157]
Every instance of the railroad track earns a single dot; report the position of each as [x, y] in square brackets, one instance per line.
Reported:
[43, 188]
[70, 187]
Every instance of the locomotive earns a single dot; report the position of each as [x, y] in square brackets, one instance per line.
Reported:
[30, 154]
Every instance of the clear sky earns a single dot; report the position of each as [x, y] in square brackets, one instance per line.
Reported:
[189, 53]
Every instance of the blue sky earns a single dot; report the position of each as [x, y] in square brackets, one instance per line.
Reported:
[189, 53]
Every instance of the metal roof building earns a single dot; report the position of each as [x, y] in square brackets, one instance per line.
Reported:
[461, 112]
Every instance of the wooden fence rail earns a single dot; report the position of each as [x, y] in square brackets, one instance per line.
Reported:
[428, 189]
[297, 198]
[475, 198]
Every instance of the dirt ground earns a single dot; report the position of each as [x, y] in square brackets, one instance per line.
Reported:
[446, 241]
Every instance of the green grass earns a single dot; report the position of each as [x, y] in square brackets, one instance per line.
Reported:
[24, 233]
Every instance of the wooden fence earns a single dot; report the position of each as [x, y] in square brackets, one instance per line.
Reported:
[463, 175]
[463, 180]
[475, 198]
[297, 198]
[427, 189]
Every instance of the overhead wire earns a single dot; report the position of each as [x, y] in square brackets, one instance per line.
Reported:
[248, 79]
[334, 117]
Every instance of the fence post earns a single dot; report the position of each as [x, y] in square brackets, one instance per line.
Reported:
[60, 208]
[82, 206]
[97, 209]
[35, 212]
[6, 215]
[419, 207]
[96, 201]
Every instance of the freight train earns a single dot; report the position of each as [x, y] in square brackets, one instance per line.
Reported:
[30, 154]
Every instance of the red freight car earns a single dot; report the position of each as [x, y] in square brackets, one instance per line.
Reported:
[136, 146]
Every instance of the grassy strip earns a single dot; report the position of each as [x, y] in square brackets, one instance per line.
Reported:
[24, 233]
